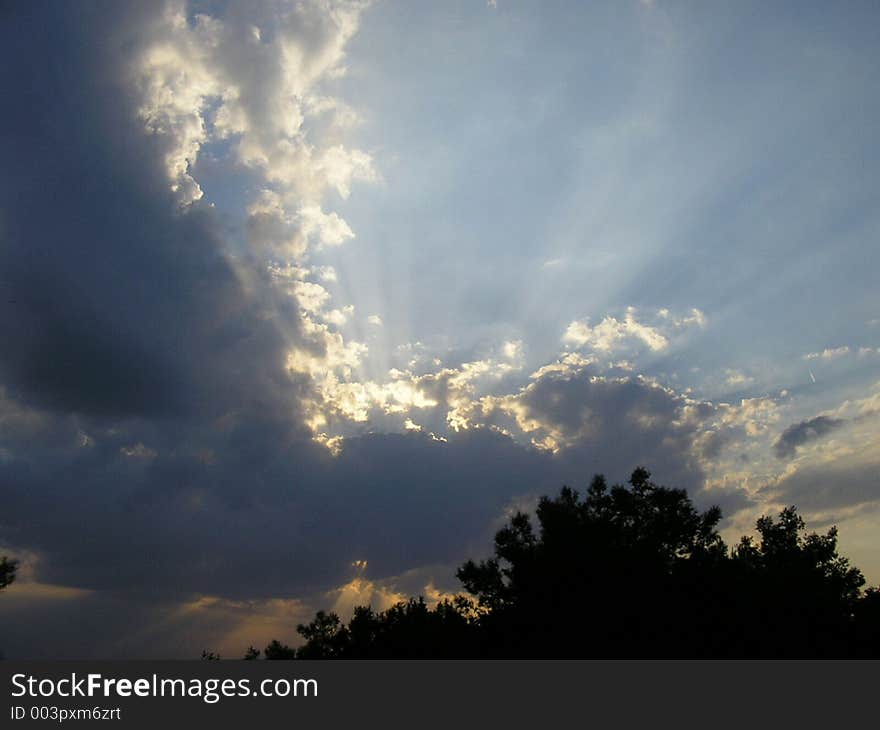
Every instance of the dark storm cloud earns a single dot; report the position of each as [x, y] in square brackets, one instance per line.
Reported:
[801, 433]
[124, 321]
[238, 512]
[113, 303]
[184, 522]
[614, 424]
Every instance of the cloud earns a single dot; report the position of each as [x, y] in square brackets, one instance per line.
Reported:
[609, 332]
[149, 383]
[710, 443]
[273, 231]
[123, 307]
[613, 335]
[242, 513]
[343, 397]
[513, 349]
[252, 77]
[830, 488]
[801, 433]
[736, 379]
[573, 409]
[828, 353]
[754, 415]
[329, 228]
[326, 273]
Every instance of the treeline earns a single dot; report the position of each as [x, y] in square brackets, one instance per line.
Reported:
[627, 571]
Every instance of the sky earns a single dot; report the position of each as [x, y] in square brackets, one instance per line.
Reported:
[300, 301]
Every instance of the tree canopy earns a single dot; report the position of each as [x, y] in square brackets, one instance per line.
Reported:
[625, 571]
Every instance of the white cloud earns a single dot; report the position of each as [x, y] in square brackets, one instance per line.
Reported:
[311, 297]
[277, 232]
[342, 396]
[338, 317]
[828, 353]
[512, 349]
[755, 415]
[694, 318]
[253, 78]
[175, 78]
[737, 379]
[326, 273]
[614, 335]
[610, 331]
[329, 228]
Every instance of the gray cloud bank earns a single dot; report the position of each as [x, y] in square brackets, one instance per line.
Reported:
[801, 433]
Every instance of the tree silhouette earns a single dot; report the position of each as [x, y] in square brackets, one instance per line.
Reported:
[626, 571]
[277, 650]
[866, 638]
[7, 571]
[801, 596]
[323, 636]
[620, 560]
[408, 629]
